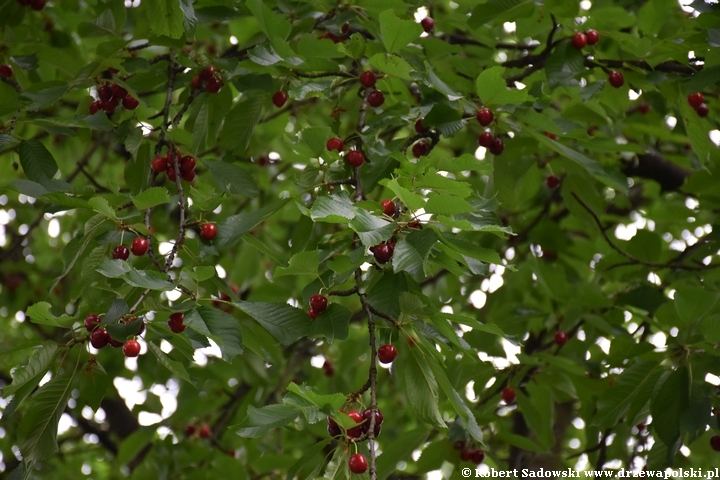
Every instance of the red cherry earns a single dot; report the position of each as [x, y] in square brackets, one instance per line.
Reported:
[702, 110]
[428, 24]
[715, 443]
[367, 415]
[383, 253]
[333, 428]
[376, 98]
[328, 368]
[114, 343]
[139, 246]
[175, 322]
[579, 40]
[497, 146]
[118, 91]
[6, 71]
[318, 302]
[91, 322]
[159, 164]
[208, 231]
[459, 444]
[560, 338]
[466, 454]
[345, 28]
[196, 82]
[552, 181]
[312, 314]
[355, 158]
[368, 79]
[37, 5]
[358, 463]
[484, 116]
[334, 144]
[640, 426]
[419, 127]
[188, 163]
[388, 207]
[551, 135]
[355, 432]
[695, 99]
[188, 175]
[592, 37]
[99, 338]
[207, 72]
[213, 85]
[387, 353]
[131, 348]
[332, 36]
[110, 106]
[508, 395]
[279, 98]
[485, 139]
[130, 103]
[205, 431]
[189, 430]
[477, 457]
[120, 252]
[421, 148]
[616, 79]
[95, 107]
[105, 93]
[644, 108]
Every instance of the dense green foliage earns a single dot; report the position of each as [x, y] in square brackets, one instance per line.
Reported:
[598, 220]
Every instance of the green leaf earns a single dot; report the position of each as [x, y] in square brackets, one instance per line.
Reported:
[392, 451]
[303, 263]
[37, 163]
[234, 227]
[40, 314]
[316, 138]
[190, 20]
[614, 403]
[220, 327]
[500, 10]
[100, 205]
[232, 178]
[94, 384]
[412, 200]
[240, 122]
[692, 303]
[43, 94]
[285, 323]
[274, 25]
[176, 368]
[311, 455]
[165, 17]
[333, 323]
[445, 118]
[370, 229]
[493, 90]
[670, 401]
[333, 209]
[420, 386]
[443, 185]
[37, 431]
[151, 279]
[261, 420]
[38, 365]
[447, 205]
[151, 197]
[392, 65]
[397, 33]
[412, 251]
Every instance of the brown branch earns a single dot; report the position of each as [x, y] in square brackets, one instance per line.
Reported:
[324, 74]
[344, 293]
[384, 315]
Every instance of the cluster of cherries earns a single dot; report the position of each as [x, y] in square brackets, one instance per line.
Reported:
[696, 101]
[6, 71]
[357, 462]
[468, 454]
[36, 5]
[209, 77]
[368, 79]
[318, 304]
[204, 431]
[165, 164]
[487, 139]
[580, 40]
[354, 158]
[139, 247]
[99, 337]
[109, 96]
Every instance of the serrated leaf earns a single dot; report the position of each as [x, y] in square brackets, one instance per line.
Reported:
[37, 163]
[392, 65]
[370, 229]
[303, 263]
[285, 323]
[421, 388]
[38, 364]
[315, 138]
[40, 314]
[151, 279]
[333, 209]
[333, 323]
[411, 252]
[100, 205]
[671, 400]
[220, 327]
[443, 185]
[397, 33]
[240, 123]
[447, 205]
[165, 17]
[152, 197]
[616, 400]
[174, 367]
[499, 9]
[37, 431]
[261, 420]
[232, 178]
[234, 227]
[412, 200]
[691, 303]
[94, 385]
[493, 91]
[118, 308]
